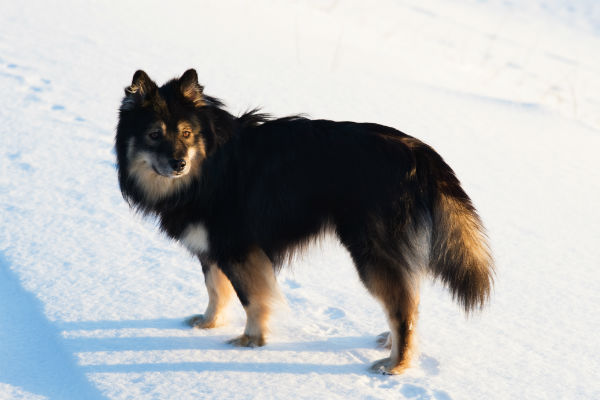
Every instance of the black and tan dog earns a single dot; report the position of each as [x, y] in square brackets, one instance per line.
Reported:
[243, 193]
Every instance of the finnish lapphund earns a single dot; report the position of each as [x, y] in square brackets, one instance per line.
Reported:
[244, 193]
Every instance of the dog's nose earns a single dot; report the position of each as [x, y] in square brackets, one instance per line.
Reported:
[177, 165]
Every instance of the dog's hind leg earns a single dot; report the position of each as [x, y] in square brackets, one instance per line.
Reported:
[220, 292]
[256, 286]
[398, 291]
[400, 299]
[391, 273]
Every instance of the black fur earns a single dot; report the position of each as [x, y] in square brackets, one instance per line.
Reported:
[276, 183]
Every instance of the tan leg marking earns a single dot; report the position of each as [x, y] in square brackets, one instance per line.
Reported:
[259, 282]
[220, 293]
[399, 296]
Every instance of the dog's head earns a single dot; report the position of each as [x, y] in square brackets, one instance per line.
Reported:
[160, 141]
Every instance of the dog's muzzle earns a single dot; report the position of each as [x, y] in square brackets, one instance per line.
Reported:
[177, 165]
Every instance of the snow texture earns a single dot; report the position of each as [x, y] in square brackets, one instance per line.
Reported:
[93, 297]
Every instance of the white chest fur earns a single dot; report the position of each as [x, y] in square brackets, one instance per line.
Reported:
[195, 238]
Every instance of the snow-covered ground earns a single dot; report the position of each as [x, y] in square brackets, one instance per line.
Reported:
[93, 298]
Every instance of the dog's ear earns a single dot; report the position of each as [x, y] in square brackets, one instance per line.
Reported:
[141, 83]
[191, 89]
[141, 87]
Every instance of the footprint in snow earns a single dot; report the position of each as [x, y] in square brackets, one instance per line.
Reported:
[60, 107]
[30, 82]
[441, 395]
[335, 313]
[414, 392]
[13, 75]
[411, 391]
[429, 364]
[36, 85]
[16, 160]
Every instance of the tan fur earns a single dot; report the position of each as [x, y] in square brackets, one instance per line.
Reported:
[188, 125]
[134, 95]
[259, 282]
[220, 293]
[462, 241]
[400, 299]
[184, 125]
[471, 237]
[202, 148]
[155, 187]
[194, 93]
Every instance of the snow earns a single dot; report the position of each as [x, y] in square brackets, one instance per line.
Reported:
[93, 298]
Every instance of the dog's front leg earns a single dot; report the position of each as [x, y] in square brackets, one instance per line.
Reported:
[220, 292]
[256, 286]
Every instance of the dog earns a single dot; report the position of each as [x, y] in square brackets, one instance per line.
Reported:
[243, 194]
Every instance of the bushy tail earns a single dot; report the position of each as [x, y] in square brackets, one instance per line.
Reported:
[460, 256]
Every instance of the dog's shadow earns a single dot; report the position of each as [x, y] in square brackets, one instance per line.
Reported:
[121, 337]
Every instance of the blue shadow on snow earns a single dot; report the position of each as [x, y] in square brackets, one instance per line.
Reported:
[32, 355]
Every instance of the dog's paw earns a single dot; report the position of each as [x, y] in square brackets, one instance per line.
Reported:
[248, 341]
[201, 322]
[385, 366]
[384, 340]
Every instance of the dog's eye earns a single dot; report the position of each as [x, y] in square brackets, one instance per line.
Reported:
[154, 135]
[186, 134]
